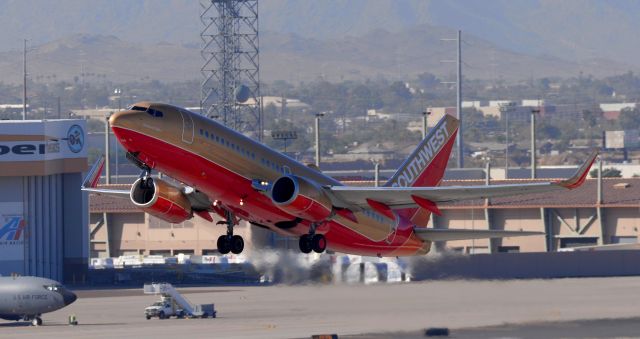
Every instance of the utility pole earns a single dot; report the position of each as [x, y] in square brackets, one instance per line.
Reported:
[24, 81]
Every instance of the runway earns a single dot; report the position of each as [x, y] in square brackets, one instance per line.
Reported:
[373, 311]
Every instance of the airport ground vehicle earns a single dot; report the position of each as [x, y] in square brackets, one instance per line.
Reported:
[172, 303]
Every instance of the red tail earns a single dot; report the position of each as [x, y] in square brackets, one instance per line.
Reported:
[426, 165]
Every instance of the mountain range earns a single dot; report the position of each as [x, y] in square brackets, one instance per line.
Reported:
[334, 39]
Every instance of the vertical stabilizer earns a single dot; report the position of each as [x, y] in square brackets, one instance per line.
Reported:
[426, 165]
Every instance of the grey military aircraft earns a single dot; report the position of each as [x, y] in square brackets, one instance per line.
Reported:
[27, 298]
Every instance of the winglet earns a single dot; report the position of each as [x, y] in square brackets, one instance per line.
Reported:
[581, 175]
[93, 176]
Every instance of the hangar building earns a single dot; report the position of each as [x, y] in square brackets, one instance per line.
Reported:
[43, 214]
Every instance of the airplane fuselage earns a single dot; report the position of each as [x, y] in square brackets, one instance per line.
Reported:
[222, 163]
[28, 297]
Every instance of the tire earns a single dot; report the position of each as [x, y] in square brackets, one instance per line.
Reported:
[305, 244]
[318, 243]
[37, 321]
[224, 246]
[148, 317]
[237, 244]
[161, 315]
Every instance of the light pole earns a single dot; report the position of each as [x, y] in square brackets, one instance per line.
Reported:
[425, 116]
[107, 151]
[534, 112]
[504, 109]
[118, 91]
[317, 126]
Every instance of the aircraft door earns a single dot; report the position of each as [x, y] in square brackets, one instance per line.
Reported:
[187, 127]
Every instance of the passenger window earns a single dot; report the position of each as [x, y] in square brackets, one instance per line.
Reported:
[206, 133]
[138, 108]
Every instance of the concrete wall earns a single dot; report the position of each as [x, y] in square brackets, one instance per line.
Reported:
[527, 265]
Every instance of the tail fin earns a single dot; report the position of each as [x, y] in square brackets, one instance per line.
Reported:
[426, 164]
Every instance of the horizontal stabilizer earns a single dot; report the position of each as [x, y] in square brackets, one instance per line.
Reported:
[90, 183]
[432, 234]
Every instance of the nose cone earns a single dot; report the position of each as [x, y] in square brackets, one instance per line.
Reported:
[69, 297]
[120, 119]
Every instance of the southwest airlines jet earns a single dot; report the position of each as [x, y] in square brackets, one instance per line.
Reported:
[224, 172]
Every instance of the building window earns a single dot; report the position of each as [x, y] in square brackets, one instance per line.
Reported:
[508, 249]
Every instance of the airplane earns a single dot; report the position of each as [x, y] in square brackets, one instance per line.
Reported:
[27, 298]
[219, 170]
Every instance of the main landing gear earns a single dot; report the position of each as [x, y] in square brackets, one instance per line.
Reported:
[312, 241]
[229, 242]
[36, 321]
[147, 180]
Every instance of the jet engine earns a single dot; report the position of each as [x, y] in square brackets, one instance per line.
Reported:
[162, 200]
[301, 197]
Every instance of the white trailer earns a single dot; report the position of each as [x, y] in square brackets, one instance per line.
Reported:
[172, 303]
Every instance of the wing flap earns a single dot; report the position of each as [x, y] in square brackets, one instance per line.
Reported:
[432, 234]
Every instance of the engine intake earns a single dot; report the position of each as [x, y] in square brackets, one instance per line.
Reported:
[162, 200]
[301, 197]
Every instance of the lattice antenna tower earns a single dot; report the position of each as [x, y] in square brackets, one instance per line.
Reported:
[230, 49]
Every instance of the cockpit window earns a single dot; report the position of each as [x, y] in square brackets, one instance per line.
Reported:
[138, 108]
[54, 288]
[155, 113]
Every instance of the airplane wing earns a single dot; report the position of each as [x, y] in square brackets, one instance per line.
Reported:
[435, 234]
[389, 198]
[90, 183]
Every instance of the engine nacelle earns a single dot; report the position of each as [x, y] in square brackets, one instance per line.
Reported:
[161, 200]
[301, 197]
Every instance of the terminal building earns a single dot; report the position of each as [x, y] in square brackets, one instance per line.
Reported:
[43, 214]
[605, 211]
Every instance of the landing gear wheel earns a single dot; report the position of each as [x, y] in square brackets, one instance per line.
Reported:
[318, 243]
[237, 244]
[224, 246]
[305, 243]
[36, 321]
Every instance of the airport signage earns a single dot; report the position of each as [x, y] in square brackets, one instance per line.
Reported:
[42, 140]
[12, 231]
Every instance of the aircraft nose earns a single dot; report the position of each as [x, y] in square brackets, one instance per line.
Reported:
[69, 297]
[119, 118]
